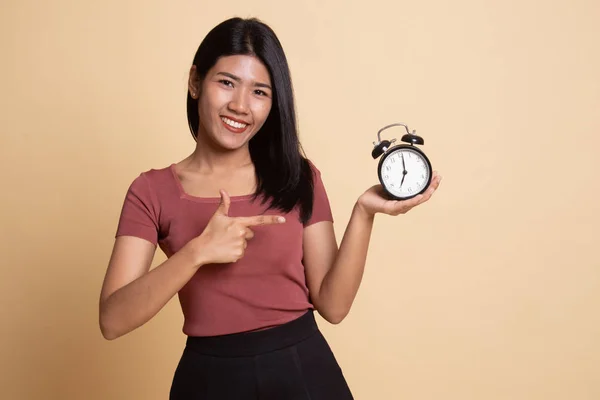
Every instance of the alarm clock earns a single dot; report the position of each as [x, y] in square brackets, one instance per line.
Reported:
[403, 170]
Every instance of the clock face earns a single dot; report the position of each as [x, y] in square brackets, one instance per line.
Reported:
[405, 172]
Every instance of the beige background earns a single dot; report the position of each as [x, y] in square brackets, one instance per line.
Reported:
[490, 291]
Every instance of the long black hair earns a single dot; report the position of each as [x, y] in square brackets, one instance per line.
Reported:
[284, 176]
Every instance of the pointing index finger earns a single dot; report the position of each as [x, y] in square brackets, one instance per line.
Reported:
[261, 220]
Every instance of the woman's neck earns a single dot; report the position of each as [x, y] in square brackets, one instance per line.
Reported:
[207, 159]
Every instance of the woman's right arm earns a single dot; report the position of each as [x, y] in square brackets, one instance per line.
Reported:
[130, 294]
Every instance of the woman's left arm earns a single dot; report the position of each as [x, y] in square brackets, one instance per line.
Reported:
[334, 275]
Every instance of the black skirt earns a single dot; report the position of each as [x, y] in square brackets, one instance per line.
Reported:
[289, 362]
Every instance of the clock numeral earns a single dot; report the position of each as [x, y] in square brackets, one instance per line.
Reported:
[388, 168]
[386, 177]
[392, 160]
[410, 190]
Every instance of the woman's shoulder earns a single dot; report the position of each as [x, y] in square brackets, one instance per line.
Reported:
[158, 174]
[310, 165]
[316, 171]
[154, 181]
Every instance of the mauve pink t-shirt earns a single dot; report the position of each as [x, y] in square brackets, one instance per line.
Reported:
[265, 288]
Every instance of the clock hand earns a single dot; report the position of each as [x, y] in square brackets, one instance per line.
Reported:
[403, 169]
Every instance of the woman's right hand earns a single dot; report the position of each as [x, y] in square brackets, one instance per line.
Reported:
[224, 239]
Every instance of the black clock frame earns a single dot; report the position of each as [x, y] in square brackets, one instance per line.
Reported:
[382, 148]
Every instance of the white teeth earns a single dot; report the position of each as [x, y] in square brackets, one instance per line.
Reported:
[233, 124]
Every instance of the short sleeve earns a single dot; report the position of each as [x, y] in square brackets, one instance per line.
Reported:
[139, 214]
[321, 206]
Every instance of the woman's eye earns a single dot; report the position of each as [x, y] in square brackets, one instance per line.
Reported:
[226, 82]
[260, 93]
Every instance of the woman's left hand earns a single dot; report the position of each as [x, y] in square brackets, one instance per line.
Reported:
[374, 201]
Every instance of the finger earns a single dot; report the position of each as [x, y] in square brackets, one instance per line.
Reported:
[392, 207]
[261, 220]
[426, 195]
[248, 234]
[402, 207]
[240, 254]
[224, 204]
[435, 183]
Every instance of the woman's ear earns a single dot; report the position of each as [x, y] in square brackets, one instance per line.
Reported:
[194, 83]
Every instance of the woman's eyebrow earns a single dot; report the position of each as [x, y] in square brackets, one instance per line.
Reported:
[238, 79]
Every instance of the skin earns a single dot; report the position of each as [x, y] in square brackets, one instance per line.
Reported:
[237, 87]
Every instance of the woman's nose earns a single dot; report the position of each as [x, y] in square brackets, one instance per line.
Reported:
[239, 102]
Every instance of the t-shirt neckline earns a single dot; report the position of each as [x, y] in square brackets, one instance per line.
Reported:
[184, 195]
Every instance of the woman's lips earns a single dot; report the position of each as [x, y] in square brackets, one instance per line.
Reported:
[234, 125]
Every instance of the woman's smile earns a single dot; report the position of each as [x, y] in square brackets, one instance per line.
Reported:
[234, 125]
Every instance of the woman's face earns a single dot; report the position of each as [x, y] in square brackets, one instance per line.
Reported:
[234, 102]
